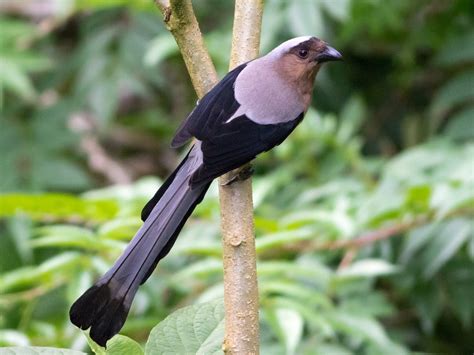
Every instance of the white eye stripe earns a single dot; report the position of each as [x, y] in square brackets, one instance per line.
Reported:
[285, 47]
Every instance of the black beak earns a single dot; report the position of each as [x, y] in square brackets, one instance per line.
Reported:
[329, 54]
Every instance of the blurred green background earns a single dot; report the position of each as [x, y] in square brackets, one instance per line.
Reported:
[91, 92]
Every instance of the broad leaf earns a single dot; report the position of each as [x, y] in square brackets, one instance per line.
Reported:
[288, 324]
[121, 344]
[37, 350]
[367, 268]
[196, 329]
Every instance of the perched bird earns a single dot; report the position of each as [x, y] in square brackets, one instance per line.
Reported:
[251, 110]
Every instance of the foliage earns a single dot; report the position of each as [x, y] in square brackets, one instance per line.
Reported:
[17, 63]
[363, 217]
[195, 329]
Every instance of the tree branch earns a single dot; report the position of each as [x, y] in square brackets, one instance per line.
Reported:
[372, 236]
[240, 270]
[97, 157]
[383, 233]
[240, 276]
[180, 20]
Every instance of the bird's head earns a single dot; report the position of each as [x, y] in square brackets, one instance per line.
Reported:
[302, 56]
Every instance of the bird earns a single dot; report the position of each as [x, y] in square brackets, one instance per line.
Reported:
[250, 111]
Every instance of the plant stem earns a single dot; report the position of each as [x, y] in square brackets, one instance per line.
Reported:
[182, 23]
[240, 270]
[240, 275]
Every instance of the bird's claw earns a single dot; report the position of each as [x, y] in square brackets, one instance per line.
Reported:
[241, 174]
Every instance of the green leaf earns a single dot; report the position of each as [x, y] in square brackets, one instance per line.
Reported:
[83, 242]
[327, 348]
[461, 125]
[21, 229]
[352, 117]
[294, 290]
[291, 269]
[203, 249]
[121, 228]
[121, 344]
[367, 268]
[330, 221]
[339, 9]
[366, 328]
[72, 236]
[196, 329]
[418, 198]
[315, 318]
[199, 269]
[470, 247]
[47, 272]
[454, 92]
[305, 17]
[446, 243]
[98, 4]
[13, 30]
[288, 324]
[449, 198]
[96, 348]
[60, 174]
[13, 337]
[37, 350]
[103, 98]
[14, 79]
[428, 304]
[271, 241]
[457, 51]
[30, 62]
[64, 229]
[416, 239]
[159, 49]
[57, 206]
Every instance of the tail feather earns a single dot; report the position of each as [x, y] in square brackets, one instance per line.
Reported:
[105, 306]
[154, 200]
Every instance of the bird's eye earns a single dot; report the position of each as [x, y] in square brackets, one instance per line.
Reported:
[303, 53]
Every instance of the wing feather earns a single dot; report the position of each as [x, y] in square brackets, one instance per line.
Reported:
[228, 145]
[213, 107]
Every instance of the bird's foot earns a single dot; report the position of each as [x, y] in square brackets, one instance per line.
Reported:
[241, 174]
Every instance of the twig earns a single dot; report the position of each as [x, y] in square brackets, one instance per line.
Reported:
[372, 236]
[386, 232]
[348, 257]
[97, 157]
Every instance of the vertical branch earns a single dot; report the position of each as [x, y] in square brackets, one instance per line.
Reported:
[240, 271]
[180, 20]
[240, 276]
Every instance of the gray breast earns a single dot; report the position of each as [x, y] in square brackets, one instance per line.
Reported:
[263, 95]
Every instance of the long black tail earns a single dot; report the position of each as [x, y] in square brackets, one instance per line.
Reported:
[104, 307]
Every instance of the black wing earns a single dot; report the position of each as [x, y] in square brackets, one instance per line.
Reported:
[226, 146]
[236, 143]
[215, 107]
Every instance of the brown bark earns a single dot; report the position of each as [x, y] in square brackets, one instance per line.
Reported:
[180, 20]
[240, 276]
[240, 272]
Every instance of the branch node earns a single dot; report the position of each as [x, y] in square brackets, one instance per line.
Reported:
[236, 241]
[167, 15]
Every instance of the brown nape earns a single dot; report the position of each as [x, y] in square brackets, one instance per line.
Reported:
[301, 72]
